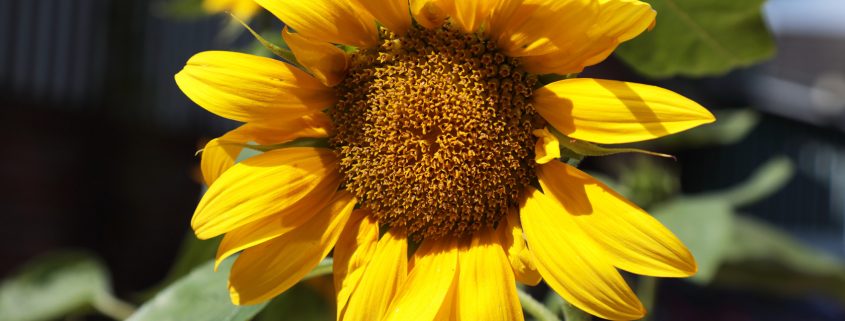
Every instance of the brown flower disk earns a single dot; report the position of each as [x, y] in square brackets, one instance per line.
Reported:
[434, 131]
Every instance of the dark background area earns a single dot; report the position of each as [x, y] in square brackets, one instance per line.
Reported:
[98, 142]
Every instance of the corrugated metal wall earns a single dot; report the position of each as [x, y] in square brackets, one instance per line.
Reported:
[115, 57]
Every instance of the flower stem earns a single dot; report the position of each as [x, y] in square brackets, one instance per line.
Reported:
[112, 307]
[535, 308]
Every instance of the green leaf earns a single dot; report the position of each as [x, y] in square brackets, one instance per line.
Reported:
[202, 295]
[705, 225]
[765, 181]
[768, 260]
[192, 253]
[759, 241]
[700, 38]
[55, 285]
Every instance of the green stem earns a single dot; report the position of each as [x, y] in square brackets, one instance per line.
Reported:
[113, 307]
[535, 308]
[555, 303]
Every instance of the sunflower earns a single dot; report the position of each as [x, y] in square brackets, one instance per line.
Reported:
[243, 9]
[414, 142]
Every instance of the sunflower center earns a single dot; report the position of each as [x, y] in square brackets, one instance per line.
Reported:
[434, 131]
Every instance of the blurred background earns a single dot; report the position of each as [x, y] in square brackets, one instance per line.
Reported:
[98, 167]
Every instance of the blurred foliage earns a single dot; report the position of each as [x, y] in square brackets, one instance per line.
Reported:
[744, 252]
[180, 9]
[731, 126]
[201, 295]
[706, 223]
[764, 259]
[301, 303]
[646, 183]
[700, 38]
[59, 284]
[192, 253]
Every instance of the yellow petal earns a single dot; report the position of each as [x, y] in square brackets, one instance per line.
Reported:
[243, 9]
[470, 15]
[326, 61]
[435, 268]
[486, 287]
[353, 250]
[502, 13]
[615, 22]
[277, 225]
[214, 6]
[220, 153]
[547, 147]
[385, 274]
[633, 240]
[431, 13]
[540, 27]
[264, 271]
[249, 88]
[394, 14]
[571, 263]
[294, 179]
[513, 241]
[334, 21]
[613, 112]
[449, 309]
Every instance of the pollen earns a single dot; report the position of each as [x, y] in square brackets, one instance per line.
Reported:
[434, 129]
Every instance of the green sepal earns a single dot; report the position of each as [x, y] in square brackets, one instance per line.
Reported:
[283, 53]
[577, 149]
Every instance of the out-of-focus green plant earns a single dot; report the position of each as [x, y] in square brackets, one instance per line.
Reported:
[700, 38]
[59, 284]
[200, 295]
[740, 251]
[706, 223]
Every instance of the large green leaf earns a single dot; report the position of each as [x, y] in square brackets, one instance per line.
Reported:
[55, 285]
[764, 182]
[200, 296]
[705, 225]
[768, 260]
[758, 241]
[700, 38]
